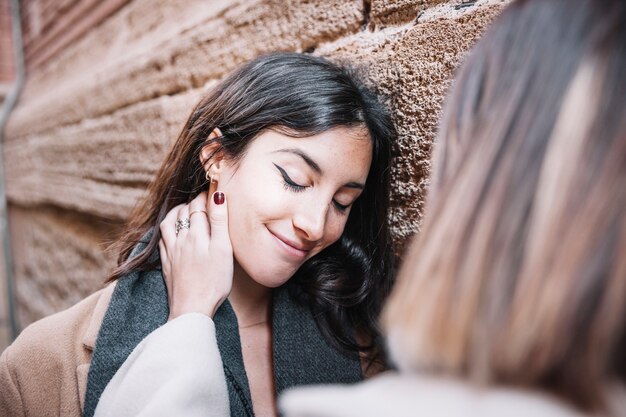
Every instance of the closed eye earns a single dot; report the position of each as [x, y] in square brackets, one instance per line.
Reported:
[288, 183]
[340, 207]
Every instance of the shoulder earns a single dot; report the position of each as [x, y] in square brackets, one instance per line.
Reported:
[63, 329]
[405, 394]
[46, 366]
[58, 340]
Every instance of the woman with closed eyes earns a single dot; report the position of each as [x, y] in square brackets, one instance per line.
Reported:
[258, 261]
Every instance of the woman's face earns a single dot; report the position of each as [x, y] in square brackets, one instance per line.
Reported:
[289, 198]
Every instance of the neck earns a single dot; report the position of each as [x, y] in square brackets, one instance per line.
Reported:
[250, 300]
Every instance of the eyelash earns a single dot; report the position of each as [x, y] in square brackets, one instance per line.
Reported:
[288, 182]
[340, 207]
[290, 185]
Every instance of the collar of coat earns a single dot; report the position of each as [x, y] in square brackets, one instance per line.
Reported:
[138, 306]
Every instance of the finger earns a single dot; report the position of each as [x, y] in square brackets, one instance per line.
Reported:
[198, 216]
[168, 226]
[218, 219]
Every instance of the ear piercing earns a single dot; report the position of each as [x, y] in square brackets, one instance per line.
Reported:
[209, 177]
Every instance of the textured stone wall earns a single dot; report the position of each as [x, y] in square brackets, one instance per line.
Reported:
[94, 122]
[48, 26]
[7, 70]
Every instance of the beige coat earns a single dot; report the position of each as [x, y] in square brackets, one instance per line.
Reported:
[44, 372]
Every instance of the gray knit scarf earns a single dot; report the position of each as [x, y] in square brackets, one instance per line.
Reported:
[139, 306]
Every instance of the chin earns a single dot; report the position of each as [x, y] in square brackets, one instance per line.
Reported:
[270, 276]
[270, 283]
[270, 280]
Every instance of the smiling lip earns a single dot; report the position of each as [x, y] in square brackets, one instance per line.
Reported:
[291, 247]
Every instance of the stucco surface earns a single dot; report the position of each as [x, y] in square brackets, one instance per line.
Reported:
[93, 126]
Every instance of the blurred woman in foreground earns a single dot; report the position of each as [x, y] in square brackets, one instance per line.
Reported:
[512, 300]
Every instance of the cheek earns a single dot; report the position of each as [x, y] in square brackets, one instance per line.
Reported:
[334, 230]
[253, 200]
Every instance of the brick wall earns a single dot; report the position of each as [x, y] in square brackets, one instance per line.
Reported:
[98, 116]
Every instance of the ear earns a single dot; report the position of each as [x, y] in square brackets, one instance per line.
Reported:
[209, 155]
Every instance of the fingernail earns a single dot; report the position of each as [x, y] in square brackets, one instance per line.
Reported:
[218, 197]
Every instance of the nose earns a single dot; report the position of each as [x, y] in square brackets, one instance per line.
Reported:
[310, 221]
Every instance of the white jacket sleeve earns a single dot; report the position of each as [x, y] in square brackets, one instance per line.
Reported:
[175, 371]
[410, 395]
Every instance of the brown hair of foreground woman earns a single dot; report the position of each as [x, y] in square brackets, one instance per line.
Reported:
[518, 276]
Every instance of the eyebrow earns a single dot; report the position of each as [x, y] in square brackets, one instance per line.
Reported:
[310, 162]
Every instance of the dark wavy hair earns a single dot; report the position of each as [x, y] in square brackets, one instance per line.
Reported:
[298, 95]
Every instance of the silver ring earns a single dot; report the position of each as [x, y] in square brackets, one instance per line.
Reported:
[182, 224]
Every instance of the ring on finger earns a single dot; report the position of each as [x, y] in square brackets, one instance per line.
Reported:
[197, 211]
[182, 224]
